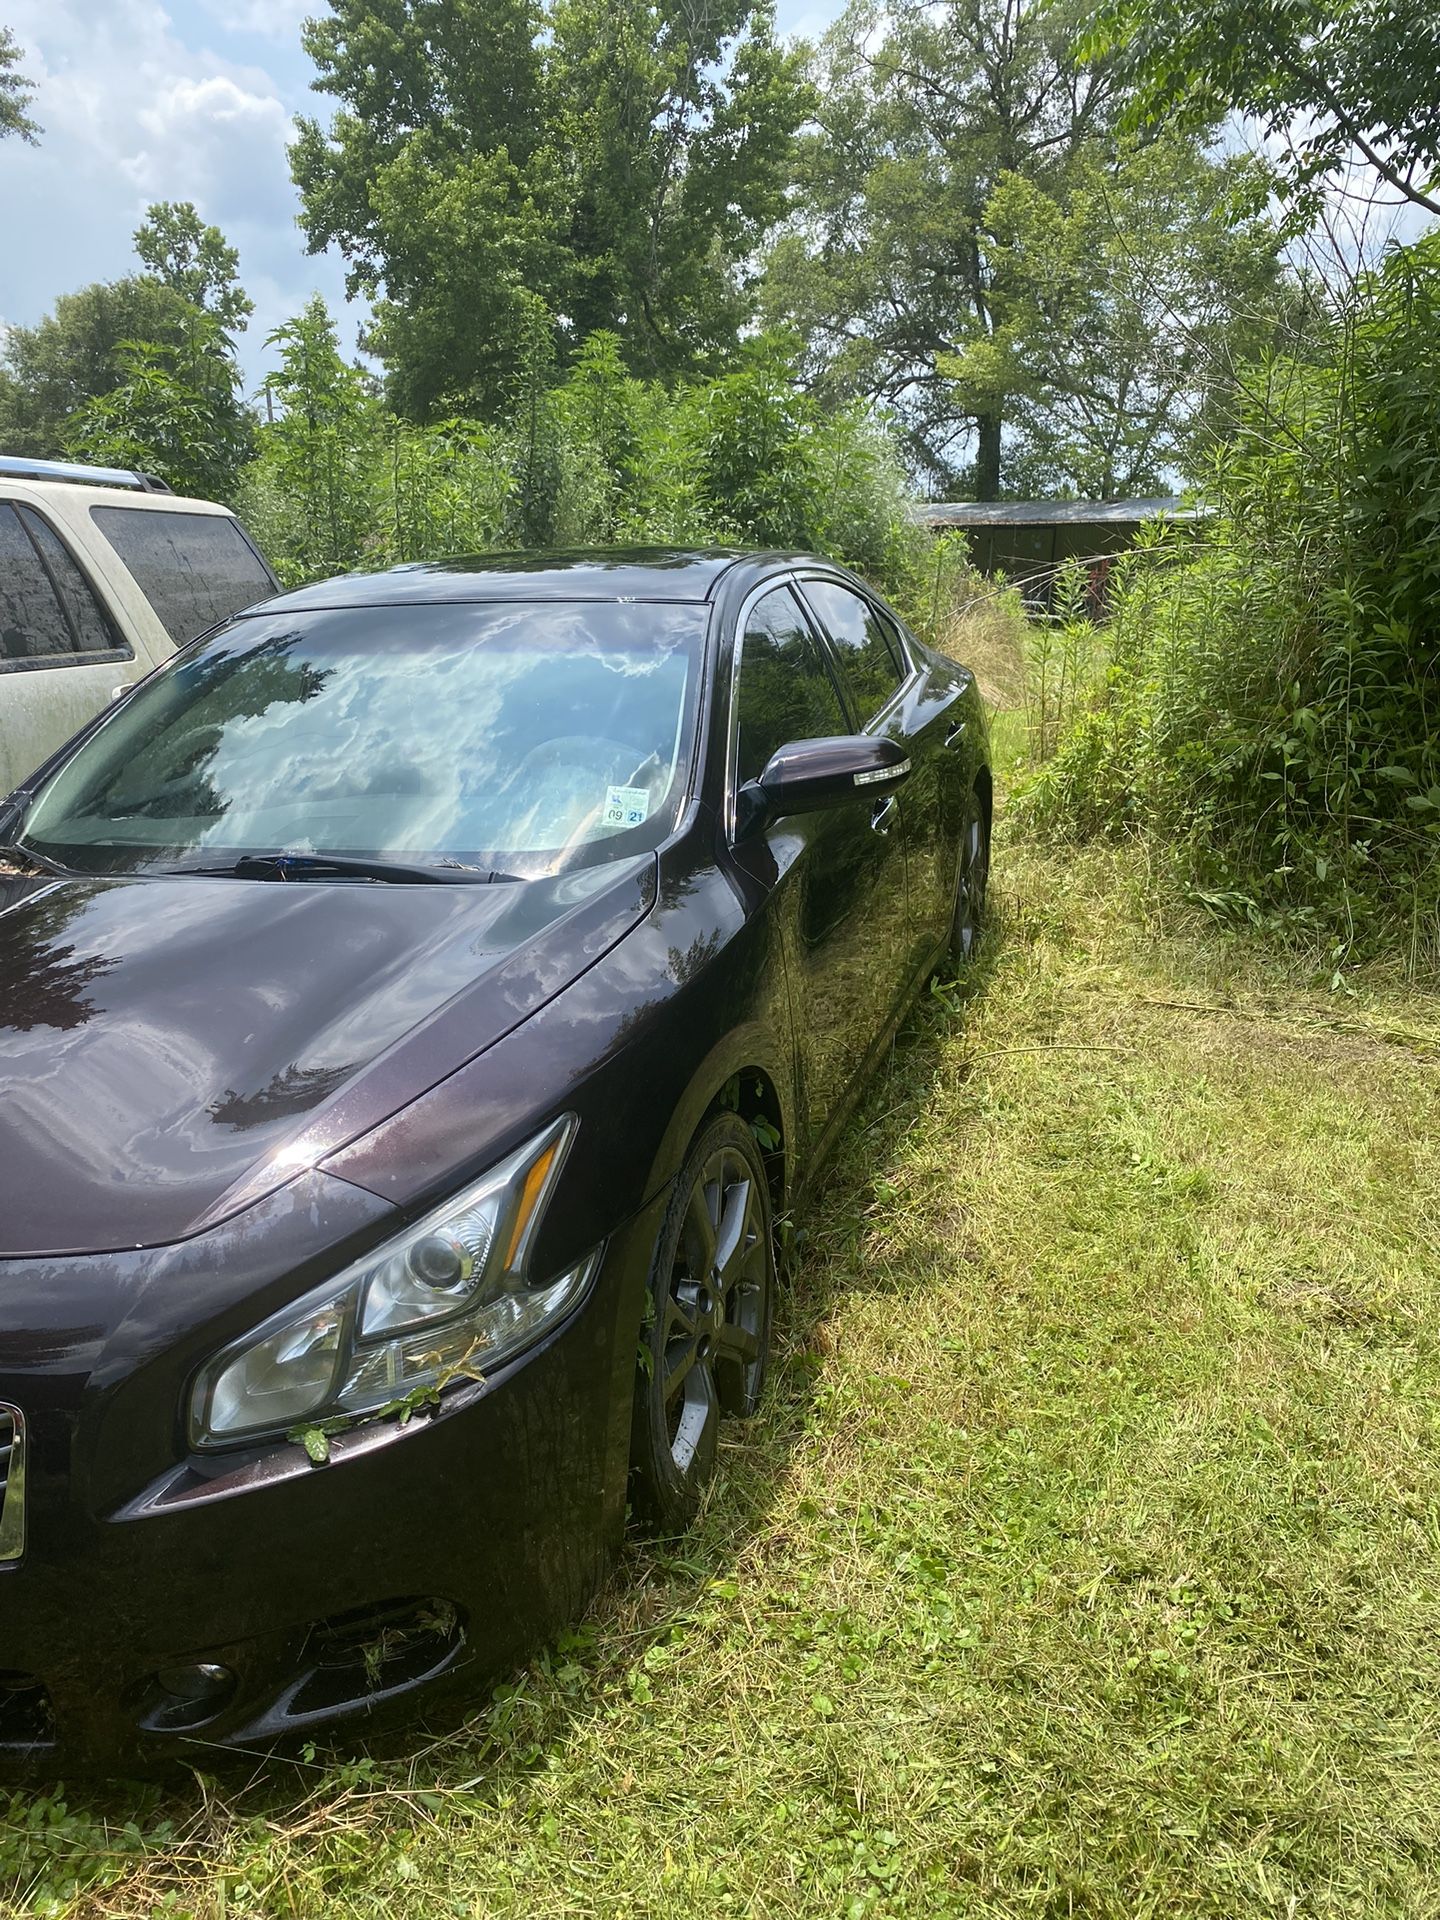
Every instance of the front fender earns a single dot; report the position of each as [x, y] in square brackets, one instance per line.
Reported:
[638, 1048]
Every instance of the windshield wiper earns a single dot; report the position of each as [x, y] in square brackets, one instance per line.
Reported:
[321, 866]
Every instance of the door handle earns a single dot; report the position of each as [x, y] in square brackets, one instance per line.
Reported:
[886, 814]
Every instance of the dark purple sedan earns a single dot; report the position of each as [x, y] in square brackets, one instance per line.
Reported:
[418, 1002]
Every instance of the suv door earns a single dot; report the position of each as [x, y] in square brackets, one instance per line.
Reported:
[61, 653]
[839, 876]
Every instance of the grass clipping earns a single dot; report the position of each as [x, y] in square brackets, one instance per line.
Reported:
[1083, 1561]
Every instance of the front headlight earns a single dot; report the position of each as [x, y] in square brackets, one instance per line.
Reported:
[452, 1292]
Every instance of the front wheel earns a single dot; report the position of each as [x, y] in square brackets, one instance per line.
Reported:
[707, 1336]
[972, 882]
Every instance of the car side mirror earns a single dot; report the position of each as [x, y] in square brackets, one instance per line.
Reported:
[810, 776]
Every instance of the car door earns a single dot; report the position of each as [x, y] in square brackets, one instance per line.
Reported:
[920, 702]
[61, 653]
[838, 875]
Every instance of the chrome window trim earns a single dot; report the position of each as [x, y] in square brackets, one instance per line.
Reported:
[12, 1496]
[62, 662]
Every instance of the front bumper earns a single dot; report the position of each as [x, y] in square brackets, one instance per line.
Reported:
[417, 1560]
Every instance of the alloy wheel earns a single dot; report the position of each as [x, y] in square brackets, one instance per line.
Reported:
[707, 1344]
[714, 1310]
[971, 885]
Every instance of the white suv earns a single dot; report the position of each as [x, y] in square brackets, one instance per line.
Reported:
[102, 575]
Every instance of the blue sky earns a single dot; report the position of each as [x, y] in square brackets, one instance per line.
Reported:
[143, 101]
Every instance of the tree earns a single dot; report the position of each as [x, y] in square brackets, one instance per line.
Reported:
[1326, 78]
[434, 183]
[602, 415]
[16, 92]
[317, 483]
[539, 448]
[175, 412]
[195, 261]
[73, 356]
[923, 109]
[617, 160]
[146, 332]
[680, 116]
[751, 439]
[1121, 312]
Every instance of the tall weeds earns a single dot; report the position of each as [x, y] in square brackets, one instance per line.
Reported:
[1271, 695]
[596, 458]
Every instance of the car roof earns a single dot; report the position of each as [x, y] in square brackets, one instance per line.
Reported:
[637, 573]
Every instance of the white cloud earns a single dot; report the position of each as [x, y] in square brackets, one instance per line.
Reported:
[272, 19]
[131, 113]
[226, 140]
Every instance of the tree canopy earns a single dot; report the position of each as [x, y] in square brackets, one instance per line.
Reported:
[958, 250]
[1327, 79]
[139, 371]
[1123, 311]
[1004, 226]
[174, 410]
[619, 160]
[50, 370]
[195, 261]
[16, 92]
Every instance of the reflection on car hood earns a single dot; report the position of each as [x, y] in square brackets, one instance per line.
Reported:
[173, 1048]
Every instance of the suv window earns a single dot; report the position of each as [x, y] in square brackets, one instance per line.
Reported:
[785, 692]
[868, 653]
[194, 568]
[48, 612]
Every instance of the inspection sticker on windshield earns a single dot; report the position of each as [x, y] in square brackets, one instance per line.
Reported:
[626, 806]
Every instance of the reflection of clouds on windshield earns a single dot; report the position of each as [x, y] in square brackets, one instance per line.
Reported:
[495, 733]
[405, 729]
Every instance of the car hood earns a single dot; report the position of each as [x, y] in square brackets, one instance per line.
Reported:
[171, 1049]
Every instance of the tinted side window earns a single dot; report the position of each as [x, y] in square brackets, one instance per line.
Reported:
[33, 625]
[785, 692]
[193, 568]
[870, 662]
[89, 622]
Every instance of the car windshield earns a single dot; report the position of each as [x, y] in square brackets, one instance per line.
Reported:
[525, 738]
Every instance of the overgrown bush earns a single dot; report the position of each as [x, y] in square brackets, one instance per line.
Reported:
[597, 458]
[1270, 699]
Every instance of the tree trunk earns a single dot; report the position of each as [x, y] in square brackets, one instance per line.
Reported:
[987, 457]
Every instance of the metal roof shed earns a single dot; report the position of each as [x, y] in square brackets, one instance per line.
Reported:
[1028, 540]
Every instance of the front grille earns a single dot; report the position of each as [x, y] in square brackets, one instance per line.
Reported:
[12, 1484]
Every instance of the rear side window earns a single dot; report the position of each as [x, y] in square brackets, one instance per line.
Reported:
[194, 568]
[868, 654]
[88, 620]
[49, 615]
[784, 692]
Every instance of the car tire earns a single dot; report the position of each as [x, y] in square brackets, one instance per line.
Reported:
[972, 882]
[706, 1341]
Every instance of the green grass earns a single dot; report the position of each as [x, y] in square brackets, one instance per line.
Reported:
[1084, 1561]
